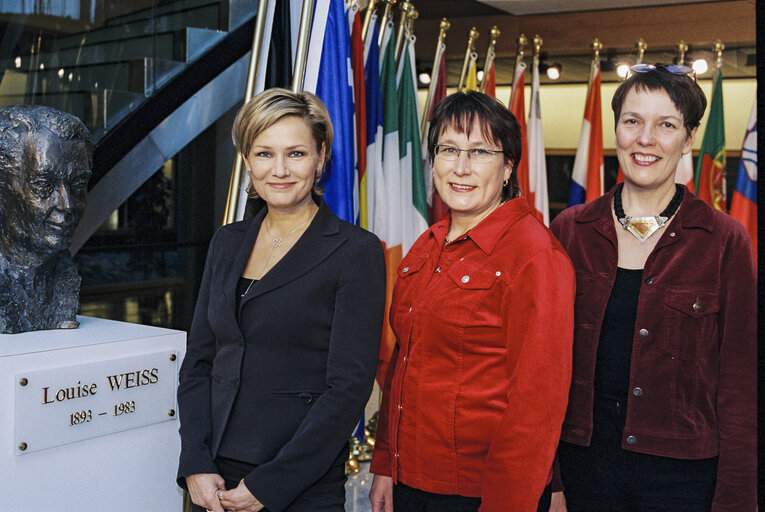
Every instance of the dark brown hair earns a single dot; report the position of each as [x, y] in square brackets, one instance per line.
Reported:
[461, 109]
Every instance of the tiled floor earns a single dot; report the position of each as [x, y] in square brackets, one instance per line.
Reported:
[357, 490]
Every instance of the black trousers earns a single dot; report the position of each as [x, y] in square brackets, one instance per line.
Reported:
[603, 477]
[409, 499]
[326, 495]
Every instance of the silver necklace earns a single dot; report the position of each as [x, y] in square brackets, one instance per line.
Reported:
[275, 242]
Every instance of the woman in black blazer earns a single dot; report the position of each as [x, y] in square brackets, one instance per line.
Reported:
[283, 346]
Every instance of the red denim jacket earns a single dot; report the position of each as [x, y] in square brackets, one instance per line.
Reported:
[475, 396]
[693, 374]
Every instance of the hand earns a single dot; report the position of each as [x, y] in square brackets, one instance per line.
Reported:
[558, 502]
[240, 499]
[381, 494]
[203, 489]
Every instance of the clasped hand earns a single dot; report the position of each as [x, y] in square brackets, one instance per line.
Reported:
[208, 490]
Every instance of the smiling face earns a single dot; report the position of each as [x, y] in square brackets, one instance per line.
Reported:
[469, 189]
[46, 195]
[650, 139]
[283, 163]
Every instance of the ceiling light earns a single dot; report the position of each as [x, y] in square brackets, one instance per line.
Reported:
[424, 78]
[17, 62]
[479, 75]
[700, 66]
[553, 72]
[622, 70]
[61, 73]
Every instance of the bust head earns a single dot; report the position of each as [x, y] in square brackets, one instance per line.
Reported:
[45, 164]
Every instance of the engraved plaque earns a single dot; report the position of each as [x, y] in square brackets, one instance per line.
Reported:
[58, 406]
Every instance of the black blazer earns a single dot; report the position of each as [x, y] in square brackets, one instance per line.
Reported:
[315, 329]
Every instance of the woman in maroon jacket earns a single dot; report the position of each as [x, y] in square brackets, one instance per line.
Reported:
[483, 316]
[662, 409]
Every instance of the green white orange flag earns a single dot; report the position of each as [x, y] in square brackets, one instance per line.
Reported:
[710, 167]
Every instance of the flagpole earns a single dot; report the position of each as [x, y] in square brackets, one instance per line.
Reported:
[537, 44]
[718, 49]
[641, 47]
[232, 200]
[596, 46]
[681, 49]
[405, 8]
[386, 14]
[472, 36]
[440, 47]
[413, 15]
[493, 36]
[301, 52]
[522, 41]
[367, 18]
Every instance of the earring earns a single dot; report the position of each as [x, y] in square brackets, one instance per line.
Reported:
[504, 183]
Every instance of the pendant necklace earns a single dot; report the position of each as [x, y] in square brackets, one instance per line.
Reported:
[644, 227]
[275, 242]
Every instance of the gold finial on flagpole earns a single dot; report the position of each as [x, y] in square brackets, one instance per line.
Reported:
[413, 15]
[641, 47]
[493, 36]
[681, 49]
[522, 41]
[440, 47]
[406, 8]
[718, 49]
[537, 43]
[367, 19]
[596, 46]
[386, 14]
[472, 36]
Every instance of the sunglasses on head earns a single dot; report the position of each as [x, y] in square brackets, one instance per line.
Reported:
[673, 68]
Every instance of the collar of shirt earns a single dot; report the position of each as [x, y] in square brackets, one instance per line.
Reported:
[487, 233]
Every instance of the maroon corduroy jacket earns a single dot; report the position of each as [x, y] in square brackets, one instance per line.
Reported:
[476, 391]
[693, 375]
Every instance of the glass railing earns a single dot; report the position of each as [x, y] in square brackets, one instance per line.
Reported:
[101, 59]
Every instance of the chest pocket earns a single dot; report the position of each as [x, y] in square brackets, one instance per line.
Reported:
[405, 289]
[472, 295]
[690, 323]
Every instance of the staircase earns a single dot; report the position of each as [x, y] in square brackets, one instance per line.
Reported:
[102, 71]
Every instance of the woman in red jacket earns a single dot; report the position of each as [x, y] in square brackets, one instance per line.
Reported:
[662, 410]
[483, 316]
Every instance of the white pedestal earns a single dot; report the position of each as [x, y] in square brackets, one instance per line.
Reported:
[132, 469]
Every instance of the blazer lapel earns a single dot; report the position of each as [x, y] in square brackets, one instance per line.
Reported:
[239, 262]
[320, 240]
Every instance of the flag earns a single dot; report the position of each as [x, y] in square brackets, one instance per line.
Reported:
[436, 206]
[743, 204]
[684, 171]
[587, 176]
[328, 74]
[392, 236]
[471, 80]
[538, 198]
[360, 108]
[372, 186]
[490, 80]
[518, 108]
[710, 167]
[413, 199]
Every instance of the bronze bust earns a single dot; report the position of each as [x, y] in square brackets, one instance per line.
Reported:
[46, 158]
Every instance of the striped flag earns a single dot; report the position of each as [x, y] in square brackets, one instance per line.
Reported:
[490, 79]
[743, 204]
[587, 176]
[360, 108]
[437, 208]
[372, 185]
[518, 108]
[413, 199]
[471, 80]
[684, 171]
[333, 84]
[538, 198]
[392, 236]
[710, 167]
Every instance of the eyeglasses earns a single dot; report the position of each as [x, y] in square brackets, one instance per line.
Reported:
[677, 70]
[476, 155]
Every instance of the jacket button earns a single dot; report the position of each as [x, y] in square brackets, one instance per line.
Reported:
[697, 306]
[405, 269]
[465, 279]
[399, 407]
[672, 234]
[631, 440]
[498, 273]
[649, 280]
[637, 392]
[643, 333]
[236, 383]
[305, 397]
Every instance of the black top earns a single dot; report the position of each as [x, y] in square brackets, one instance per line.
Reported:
[242, 286]
[612, 367]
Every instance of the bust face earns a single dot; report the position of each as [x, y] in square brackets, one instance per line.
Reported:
[48, 193]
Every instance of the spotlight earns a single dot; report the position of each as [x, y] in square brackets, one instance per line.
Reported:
[42, 65]
[700, 66]
[17, 62]
[61, 73]
[424, 78]
[553, 71]
[71, 75]
[479, 75]
[622, 70]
